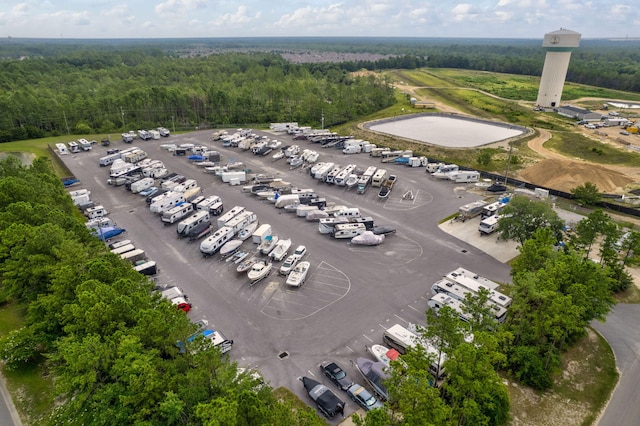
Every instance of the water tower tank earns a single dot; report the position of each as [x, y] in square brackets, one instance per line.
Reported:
[558, 45]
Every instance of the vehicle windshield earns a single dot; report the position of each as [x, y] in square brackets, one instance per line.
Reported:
[370, 401]
[340, 374]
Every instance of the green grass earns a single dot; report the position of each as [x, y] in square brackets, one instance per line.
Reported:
[577, 145]
[30, 387]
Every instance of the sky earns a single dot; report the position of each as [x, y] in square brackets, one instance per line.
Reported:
[285, 18]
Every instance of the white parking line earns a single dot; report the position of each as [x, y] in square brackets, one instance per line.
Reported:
[417, 310]
[400, 318]
[367, 337]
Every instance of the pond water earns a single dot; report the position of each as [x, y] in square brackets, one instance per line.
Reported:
[448, 131]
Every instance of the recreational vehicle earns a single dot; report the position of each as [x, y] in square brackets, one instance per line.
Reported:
[402, 339]
[184, 227]
[213, 243]
[348, 230]
[177, 213]
[222, 220]
[166, 201]
[379, 177]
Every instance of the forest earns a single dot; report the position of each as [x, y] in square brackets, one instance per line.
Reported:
[55, 87]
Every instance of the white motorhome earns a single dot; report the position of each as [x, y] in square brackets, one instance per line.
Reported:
[222, 220]
[213, 243]
[348, 230]
[488, 225]
[322, 171]
[402, 339]
[186, 185]
[85, 144]
[166, 201]
[177, 213]
[62, 148]
[74, 147]
[341, 178]
[96, 212]
[492, 209]
[201, 216]
[379, 177]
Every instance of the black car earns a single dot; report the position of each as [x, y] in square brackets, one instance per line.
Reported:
[328, 403]
[336, 374]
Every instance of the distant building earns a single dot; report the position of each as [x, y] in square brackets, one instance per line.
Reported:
[578, 113]
[558, 45]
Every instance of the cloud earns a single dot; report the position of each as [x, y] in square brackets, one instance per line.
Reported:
[117, 11]
[179, 7]
[240, 16]
[463, 12]
[21, 9]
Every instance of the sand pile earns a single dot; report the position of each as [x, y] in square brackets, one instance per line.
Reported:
[565, 175]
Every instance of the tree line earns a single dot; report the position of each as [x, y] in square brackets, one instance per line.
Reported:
[115, 91]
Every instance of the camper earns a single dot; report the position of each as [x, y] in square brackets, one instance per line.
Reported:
[217, 209]
[95, 212]
[213, 243]
[379, 177]
[492, 209]
[463, 176]
[192, 194]
[471, 210]
[222, 220]
[184, 227]
[166, 201]
[108, 159]
[348, 213]
[488, 225]
[240, 221]
[84, 144]
[147, 267]
[141, 185]
[121, 249]
[176, 213]
[348, 230]
[117, 244]
[208, 202]
[232, 178]
[186, 185]
[74, 147]
[62, 148]
[261, 233]
[133, 255]
[304, 209]
[197, 201]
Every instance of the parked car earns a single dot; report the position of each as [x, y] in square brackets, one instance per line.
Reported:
[299, 252]
[363, 397]
[288, 265]
[327, 402]
[336, 374]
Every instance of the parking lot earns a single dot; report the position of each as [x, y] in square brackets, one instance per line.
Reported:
[352, 292]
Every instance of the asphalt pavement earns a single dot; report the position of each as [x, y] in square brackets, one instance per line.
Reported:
[353, 292]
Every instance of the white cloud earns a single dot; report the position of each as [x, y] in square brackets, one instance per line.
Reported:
[240, 16]
[117, 11]
[180, 7]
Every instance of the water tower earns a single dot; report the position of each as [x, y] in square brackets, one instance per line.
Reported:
[558, 45]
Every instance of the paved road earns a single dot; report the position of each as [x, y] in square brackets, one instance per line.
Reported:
[354, 292]
[623, 334]
[8, 413]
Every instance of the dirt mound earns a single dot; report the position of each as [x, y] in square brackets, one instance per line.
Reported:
[565, 175]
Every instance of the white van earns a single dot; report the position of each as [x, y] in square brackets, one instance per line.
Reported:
[176, 213]
[348, 230]
[201, 216]
[348, 213]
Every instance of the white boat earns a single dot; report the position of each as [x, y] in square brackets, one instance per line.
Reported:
[333, 209]
[368, 238]
[206, 164]
[258, 271]
[246, 264]
[266, 194]
[247, 231]
[352, 181]
[313, 157]
[230, 247]
[268, 244]
[298, 276]
[317, 215]
[295, 162]
[291, 151]
[278, 155]
[291, 208]
[384, 354]
[280, 250]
